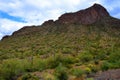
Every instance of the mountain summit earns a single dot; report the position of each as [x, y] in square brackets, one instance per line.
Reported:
[86, 16]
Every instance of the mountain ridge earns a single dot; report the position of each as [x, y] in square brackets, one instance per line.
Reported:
[87, 16]
[93, 14]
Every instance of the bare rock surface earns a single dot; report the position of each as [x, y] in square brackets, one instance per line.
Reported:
[108, 75]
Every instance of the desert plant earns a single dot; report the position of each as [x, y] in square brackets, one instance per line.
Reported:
[61, 73]
[29, 77]
[78, 72]
[105, 65]
[85, 57]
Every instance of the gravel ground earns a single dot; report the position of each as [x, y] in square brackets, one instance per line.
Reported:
[108, 75]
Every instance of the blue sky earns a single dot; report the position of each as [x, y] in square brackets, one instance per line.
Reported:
[5, 15]
[14, 14]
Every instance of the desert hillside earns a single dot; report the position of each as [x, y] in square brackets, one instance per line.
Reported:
[82, 45]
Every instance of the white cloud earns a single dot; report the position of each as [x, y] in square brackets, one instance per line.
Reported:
[39, 3]
[1, 35]
[8, 26]
[32, 10]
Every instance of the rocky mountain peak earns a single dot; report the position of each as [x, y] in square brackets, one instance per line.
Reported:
[86, 16]
[100, 9]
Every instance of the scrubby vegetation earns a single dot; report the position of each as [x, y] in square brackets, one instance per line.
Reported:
[60, 52]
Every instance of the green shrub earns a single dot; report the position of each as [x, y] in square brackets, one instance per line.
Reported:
[61, 73]
[88, 70]
[54, 61]
[66, 60]
[115, 56]
[39, 64]
[89, 79]
[66, 50]
[11, 68]
[105, 65]
[78, 72]
[93, 68]
[85, 57]
[42, 51]
[29, 77]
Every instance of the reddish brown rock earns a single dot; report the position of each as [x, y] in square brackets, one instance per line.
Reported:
[87, 16]
[49, 22]
[5, 37]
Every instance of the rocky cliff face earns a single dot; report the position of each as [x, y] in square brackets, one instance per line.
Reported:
[87, 16]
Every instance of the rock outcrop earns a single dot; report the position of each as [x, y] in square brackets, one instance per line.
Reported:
[86, 16]
[49, 22]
